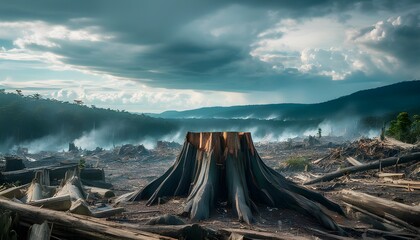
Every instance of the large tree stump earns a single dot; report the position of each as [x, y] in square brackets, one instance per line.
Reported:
[225, 166]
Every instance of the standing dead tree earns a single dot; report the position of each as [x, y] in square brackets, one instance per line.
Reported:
[225, 166]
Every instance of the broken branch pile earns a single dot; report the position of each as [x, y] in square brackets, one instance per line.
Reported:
[371, 165]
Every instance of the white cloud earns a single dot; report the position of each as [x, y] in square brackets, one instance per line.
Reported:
[327, 47]
[396, 40]
[43, 34]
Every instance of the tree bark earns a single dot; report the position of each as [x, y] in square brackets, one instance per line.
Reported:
[62, 203]
[103, 193]
[86, 227]
[382, 207]
[40, 231]
[372, 165]
[14, 192]
[225, 166]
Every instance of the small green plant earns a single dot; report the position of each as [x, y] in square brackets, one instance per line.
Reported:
[295, 164]
[82, 163]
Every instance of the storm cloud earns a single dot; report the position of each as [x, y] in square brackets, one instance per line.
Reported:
[263, 51]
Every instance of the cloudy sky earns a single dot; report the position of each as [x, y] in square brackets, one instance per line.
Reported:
[151, 56]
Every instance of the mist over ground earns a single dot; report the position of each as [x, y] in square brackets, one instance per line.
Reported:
[111, 135]
[48, 124]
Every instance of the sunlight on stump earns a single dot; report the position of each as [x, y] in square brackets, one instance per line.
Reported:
[225, 166]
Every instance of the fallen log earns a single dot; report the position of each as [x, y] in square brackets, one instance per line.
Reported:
[14, 192]
[56, 172]
[103, 193]
[61, 203]
[382, 207]
[402, 182]
[372, 165]
[406, 186]
[387, 219]
[390, 175]
[107, 212]
[26, 175]
[252, 234]
[89, 227]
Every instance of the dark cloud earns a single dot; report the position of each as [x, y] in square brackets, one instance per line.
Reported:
[196, 44]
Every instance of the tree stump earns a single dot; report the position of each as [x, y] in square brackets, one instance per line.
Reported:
[225, 166]
[13, 164]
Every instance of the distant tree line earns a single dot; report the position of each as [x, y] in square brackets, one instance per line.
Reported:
[26, 118]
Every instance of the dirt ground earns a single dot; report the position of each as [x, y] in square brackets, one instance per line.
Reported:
[129, 172]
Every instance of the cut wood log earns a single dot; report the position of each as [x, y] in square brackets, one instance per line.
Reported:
[390, 175]
[103, 193]
[55, 172]
[14, 192]
[252, 234]
[372, 165]
[40, 231]
[107, 212]
[84, 227]
[406, 186]
[387, 219]
[61, 203]
[72, 186]
[370, 219]
[26, 175]
[226, 165]
[382, 207]
[353, 161]
[403, 182]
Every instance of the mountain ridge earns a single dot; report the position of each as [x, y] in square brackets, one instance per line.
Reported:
[380, 101]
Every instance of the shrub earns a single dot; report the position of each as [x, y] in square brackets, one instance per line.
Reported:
[405, 129]
[295, 164]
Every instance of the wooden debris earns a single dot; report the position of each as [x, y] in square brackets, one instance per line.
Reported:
[372, 165]
[55, 172]
[387, 219]
[40, 231]
[407, 186]
[86, 227]
[382, 207]
[390, 175]
[353, 161]
[14, 192]
[61, 203]
[107, 212]
[252, 234]
[101, 192]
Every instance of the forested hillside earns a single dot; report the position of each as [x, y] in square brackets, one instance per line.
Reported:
[29, 118]
[379, 102]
